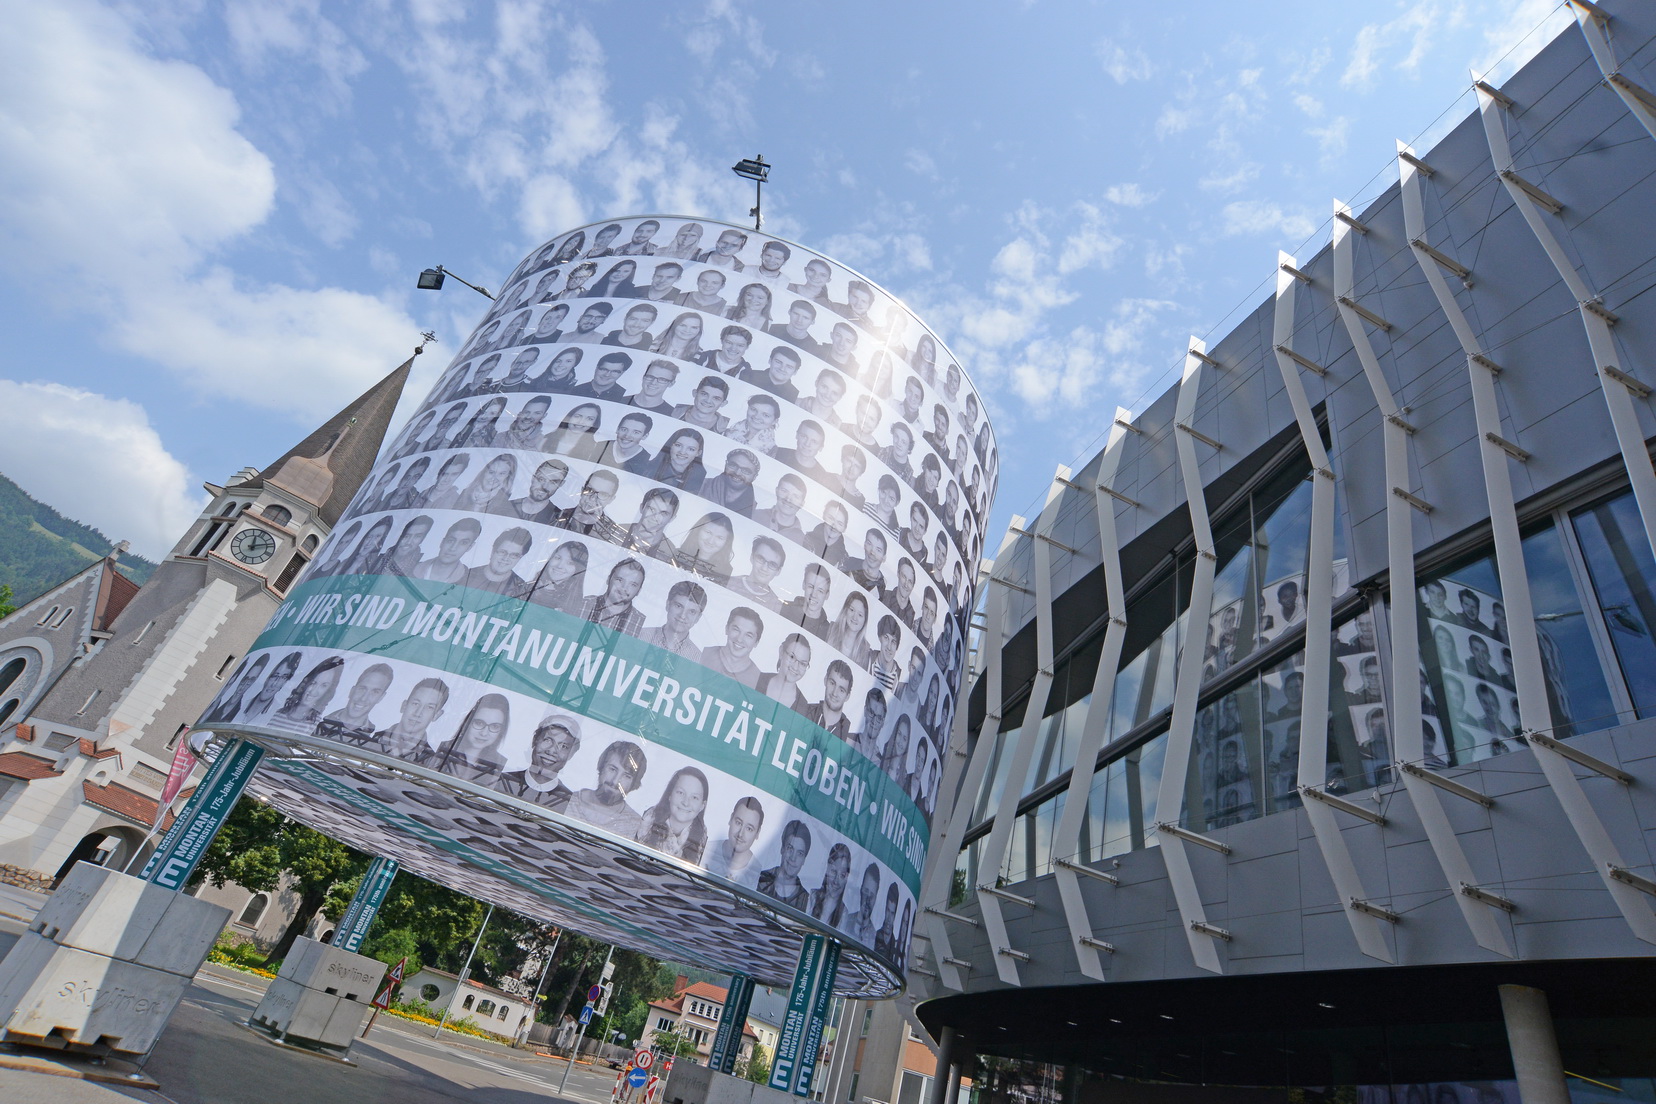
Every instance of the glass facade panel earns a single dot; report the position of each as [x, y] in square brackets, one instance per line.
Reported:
[1226, 768]
[1624, 576]
[1233, 612]
[1282, 541]
[1468, 665]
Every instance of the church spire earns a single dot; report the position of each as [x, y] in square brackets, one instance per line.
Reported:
[329, 465]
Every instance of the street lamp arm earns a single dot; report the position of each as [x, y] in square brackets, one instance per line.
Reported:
[484, 292]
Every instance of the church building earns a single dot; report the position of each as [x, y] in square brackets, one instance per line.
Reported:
[100, 678]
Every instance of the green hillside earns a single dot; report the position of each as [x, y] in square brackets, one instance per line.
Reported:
[39, 547]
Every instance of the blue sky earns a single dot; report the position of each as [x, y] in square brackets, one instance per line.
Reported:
[212, 213]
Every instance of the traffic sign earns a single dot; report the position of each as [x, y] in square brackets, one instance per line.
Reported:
[592, 994]
[637, 1078]
[644, 1059]
[586, 1015]
[392, 980]
[667, 1065]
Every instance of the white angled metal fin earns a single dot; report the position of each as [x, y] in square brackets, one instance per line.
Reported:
[1319, 625]
[993, 854]
[1181, 729]
[1535, 711]
[1066, 838]
[934, 890]
[1638, 97]
[1489, 933]
[962, 776]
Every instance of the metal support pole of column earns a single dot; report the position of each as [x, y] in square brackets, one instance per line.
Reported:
[465, 971]
[1578, 808]
[1368, 928]
[1638, 98]
[581, 1038]
[1029, 737]
[1182, 726]
[1066, 838]
[945, 1067]
[1534, 1044]
[1408, 742]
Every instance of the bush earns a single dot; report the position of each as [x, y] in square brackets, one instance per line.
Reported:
[239, 953]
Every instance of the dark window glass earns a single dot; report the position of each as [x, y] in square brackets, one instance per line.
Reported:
[1618, 558]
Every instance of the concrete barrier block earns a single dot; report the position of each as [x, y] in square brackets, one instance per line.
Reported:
[113, 914]
[320, 997]
[51, 995]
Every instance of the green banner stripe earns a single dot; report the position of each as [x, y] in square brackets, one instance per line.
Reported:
[618, 679]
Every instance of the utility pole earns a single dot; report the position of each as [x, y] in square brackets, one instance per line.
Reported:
[534, 1001]
[464, 972]
[579, 1039]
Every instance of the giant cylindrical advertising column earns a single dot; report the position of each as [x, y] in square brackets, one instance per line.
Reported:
[652, 620]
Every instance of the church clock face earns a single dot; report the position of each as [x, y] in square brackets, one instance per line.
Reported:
[253, 546]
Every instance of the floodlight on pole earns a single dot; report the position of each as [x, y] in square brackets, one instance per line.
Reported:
[756, 170]
[431, 279]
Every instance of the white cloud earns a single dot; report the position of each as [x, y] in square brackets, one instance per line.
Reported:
[1331, 139]
[1121, 63]
[99, 461]
[1130, 195]
[127, 175]
[1258, 216]
[883, 255]
[269, 35]
[921, 163]
[1413, 32]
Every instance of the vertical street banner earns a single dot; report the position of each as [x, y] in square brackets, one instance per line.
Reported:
[796, 1020]
[183, 763]
[820, 1000]
[205, 813]
[365, 905]
[727, 1041]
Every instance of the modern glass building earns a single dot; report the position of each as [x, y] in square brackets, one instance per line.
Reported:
[1312, 747]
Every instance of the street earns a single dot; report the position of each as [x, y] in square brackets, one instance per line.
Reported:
[207, 1056]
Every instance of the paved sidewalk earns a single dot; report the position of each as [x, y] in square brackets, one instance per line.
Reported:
[19, 904]
[208, 1056]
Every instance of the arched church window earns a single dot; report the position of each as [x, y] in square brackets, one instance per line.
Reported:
[48, 615]
[467, 1003]
[310, 544]
[254, 910]
[10, 672]
[485, 1008]
[281, 515]
[8, 709]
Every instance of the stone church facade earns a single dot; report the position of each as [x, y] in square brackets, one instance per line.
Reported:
[100, 678]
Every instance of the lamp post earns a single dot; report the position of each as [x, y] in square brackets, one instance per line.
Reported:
[465, 971]
[756, 170]
[431, 279]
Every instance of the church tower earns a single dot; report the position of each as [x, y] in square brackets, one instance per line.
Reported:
[100, 678]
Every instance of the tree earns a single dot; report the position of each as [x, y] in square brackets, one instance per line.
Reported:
[8, 604]
[257, 845]
[392, 945]
[758, 1065]
[673, 1045]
